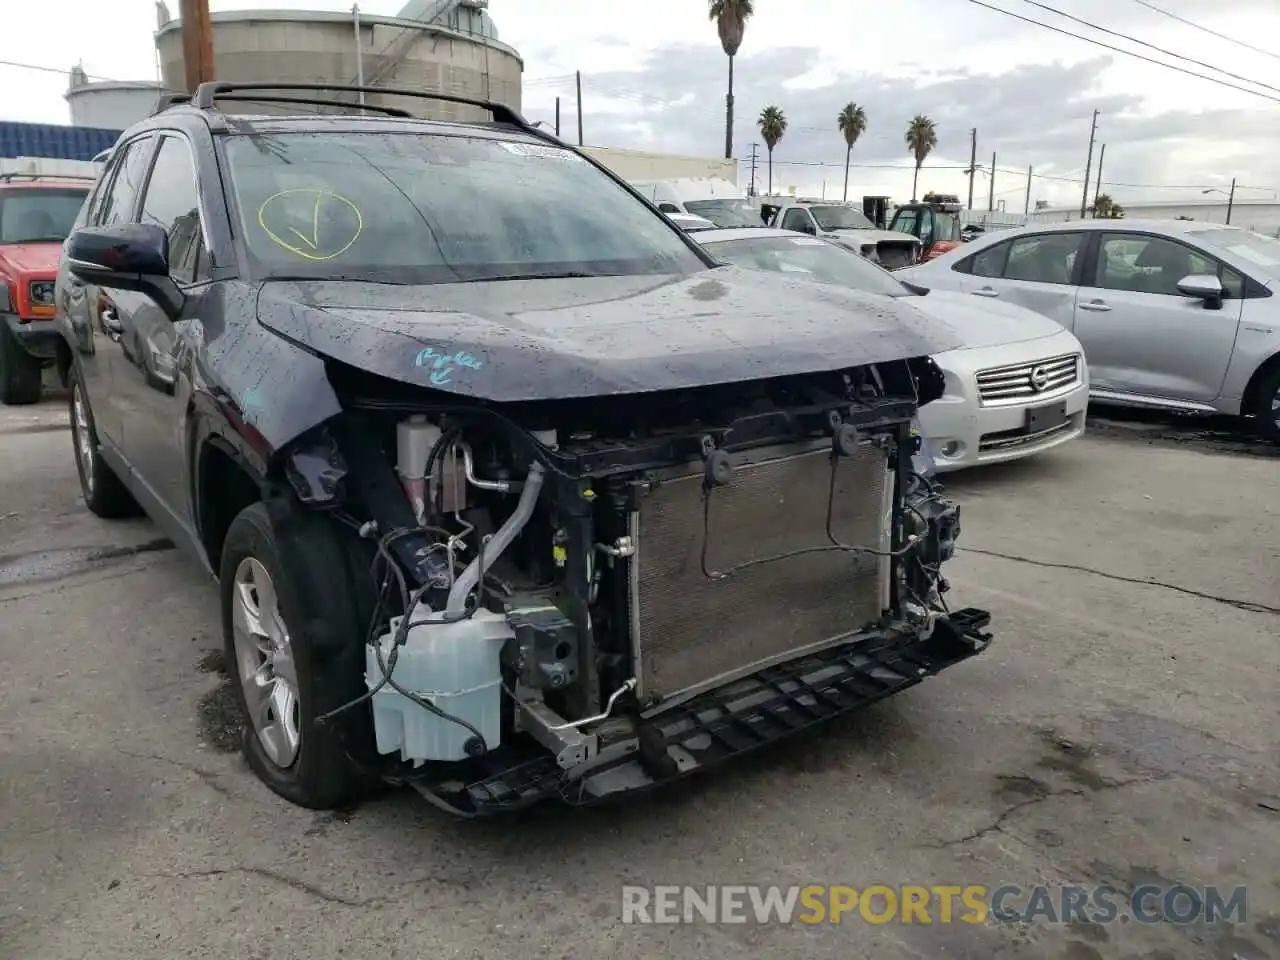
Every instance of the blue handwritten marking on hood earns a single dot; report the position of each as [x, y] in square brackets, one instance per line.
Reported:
[443, 364]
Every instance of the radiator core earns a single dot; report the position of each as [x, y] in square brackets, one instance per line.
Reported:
[692, 628]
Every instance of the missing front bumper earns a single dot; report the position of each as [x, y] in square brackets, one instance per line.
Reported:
[741, 717]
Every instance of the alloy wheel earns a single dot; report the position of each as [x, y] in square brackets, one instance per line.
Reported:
[264, 660]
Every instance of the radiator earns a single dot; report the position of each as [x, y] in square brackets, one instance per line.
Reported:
[691, 631]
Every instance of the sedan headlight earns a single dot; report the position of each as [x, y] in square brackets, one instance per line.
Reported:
[41, 292]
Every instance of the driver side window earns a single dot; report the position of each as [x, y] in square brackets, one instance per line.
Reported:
[797, 218]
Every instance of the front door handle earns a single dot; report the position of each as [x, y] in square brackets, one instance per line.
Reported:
[986, 292]
[1095, 306]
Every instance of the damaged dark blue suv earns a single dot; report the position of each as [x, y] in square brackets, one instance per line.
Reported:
[511, 491]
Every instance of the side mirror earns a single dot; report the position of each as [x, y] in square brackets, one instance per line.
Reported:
[127, 256]
[1203, 286]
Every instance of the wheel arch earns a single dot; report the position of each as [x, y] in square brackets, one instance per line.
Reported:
[1251, 398]
[225, 483]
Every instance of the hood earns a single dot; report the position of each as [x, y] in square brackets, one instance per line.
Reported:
[869, 236]
[559, 339]
[31, 258]
[984, 323]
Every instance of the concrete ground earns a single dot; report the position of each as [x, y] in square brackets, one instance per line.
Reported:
[1121, 731]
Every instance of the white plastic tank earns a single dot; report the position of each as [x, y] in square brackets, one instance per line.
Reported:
[455, 666]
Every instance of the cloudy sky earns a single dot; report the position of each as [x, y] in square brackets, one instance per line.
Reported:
[656, 81]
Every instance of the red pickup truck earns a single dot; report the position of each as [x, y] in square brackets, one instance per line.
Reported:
[36, 214]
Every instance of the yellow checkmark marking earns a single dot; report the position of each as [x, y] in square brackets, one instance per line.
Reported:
[268, 207]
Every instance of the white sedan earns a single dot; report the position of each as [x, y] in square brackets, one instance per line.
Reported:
[1173, 314]
[1019, 386]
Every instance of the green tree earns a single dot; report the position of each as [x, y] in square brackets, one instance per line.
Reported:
[1104, 208]
[731, 18]
[852, 123]
[773, 124]
[921, 138]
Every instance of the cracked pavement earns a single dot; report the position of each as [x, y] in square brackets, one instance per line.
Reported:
[1121, 730]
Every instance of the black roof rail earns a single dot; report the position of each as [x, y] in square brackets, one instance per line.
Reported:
[171, 100]
[206, 93]
[321, 102]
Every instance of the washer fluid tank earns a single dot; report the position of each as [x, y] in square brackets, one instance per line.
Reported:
[457, 667]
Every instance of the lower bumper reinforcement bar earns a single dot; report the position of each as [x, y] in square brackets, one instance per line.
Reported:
[743, 716]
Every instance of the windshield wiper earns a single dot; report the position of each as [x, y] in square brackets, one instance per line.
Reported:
[558, 275]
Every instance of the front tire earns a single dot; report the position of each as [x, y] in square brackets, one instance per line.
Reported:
[293, 641]
[104, 493]
[21, 374]
[1267, 409]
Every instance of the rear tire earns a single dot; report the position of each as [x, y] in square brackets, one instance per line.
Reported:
[21, 374]
[1267, 408]
[104, 493]
[307, 658]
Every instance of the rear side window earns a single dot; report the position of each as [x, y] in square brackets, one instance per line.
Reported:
[122, 196]
[987, 263]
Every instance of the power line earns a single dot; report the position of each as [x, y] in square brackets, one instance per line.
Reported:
[1127, 53]
[1149, 46]
[60, 70]
[1214, 33]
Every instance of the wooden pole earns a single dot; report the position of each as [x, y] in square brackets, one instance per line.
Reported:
[197, 43]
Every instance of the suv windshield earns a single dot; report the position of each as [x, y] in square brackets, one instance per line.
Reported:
[39, 214]
[412, 208]
[840, 218]
[1255, 249]
[808, 258]
[727, 213]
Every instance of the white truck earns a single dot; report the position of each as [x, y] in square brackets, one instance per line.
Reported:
[721, 201]
[844, 224]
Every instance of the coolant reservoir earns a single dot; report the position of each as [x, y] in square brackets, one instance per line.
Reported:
[415, 437]
[457, 667]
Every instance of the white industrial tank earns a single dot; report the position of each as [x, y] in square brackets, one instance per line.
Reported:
[111, 104]
[453, 50]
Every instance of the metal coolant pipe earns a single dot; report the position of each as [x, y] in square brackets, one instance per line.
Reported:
[467, 581]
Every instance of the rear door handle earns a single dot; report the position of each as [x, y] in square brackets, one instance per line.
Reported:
[1095, 306]
[986, 292]
[111, 323]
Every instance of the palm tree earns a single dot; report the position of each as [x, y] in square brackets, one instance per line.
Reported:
[731, 18]
[853, 124]
[921, 138]
[1104, 208]
[773, 124]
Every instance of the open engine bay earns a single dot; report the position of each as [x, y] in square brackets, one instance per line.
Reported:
[580, 598]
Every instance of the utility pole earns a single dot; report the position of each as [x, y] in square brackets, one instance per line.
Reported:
[751, 186]
[197, 42]
[578, 80]
[728, 116]
[973, 162]
[1231, 199]
[1084, 196]
[991, 196]
[1097, 189]
[1026, 207]
[355, 22]
[557, 116]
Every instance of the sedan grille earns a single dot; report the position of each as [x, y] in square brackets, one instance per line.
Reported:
[691, 629]
[1022, 380]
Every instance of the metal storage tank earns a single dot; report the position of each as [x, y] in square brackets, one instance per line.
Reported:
[445, 46]
[111, 104]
